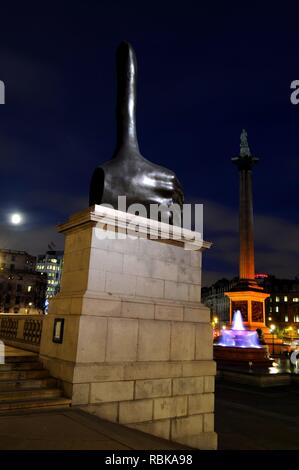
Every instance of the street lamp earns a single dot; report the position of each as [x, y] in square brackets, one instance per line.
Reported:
[215, 322]
[272, 330]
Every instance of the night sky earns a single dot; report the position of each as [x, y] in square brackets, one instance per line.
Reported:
[206, 70]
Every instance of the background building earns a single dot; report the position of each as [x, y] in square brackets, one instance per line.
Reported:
[16, 260]
[214, 298]
[22, 289]
[281, 308]
[50, 264]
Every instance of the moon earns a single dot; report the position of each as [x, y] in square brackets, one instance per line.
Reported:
[16, 219]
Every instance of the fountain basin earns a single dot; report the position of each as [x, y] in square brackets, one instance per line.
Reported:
[238, 346]
[234, 355]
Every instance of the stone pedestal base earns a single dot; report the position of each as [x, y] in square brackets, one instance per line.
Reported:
[251, 304]
[137, 342]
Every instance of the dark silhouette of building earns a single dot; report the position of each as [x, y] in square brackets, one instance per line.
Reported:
[281, 308]
[22, 289]
[214, 298]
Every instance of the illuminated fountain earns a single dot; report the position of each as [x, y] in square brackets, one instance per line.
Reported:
[238, 336]
[239, 346]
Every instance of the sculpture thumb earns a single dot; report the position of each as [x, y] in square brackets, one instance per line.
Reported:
[126, 65]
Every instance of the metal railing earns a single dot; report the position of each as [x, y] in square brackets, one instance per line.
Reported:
[23, 331]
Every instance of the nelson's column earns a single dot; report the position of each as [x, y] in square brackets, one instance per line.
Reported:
[247, 296]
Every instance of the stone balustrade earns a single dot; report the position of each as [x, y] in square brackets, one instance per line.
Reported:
[21, 330]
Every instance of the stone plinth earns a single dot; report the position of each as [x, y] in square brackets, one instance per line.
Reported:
[251, 304]
[137, 344]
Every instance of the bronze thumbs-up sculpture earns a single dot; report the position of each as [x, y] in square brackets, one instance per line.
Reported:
[128, 173]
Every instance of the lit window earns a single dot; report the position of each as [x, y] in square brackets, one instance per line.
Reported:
[277, 299]
[286, 318]
[271, 299]
[29, 288]
[296, 318]
[285, 298]
[295, 299]
[277, 309]
[270, 309]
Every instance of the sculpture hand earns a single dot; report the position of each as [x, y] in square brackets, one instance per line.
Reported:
[129, 173]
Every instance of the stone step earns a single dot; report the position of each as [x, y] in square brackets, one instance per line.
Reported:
[21, 366]
[30, 394]
[25, 358]
[6, 386]
[15, 375]
[53, 403]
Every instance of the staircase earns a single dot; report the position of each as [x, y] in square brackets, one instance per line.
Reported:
[25, 384]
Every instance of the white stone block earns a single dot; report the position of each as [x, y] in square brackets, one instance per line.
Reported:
[198, 368]
[165, 270]
[189, 275]
[104, 260]
[167, 312]
[204, 341]
[154, 340]
[98, 373]
[137, 309]
[127, 245]
[139, 266]
[195, 259]
[189, 426]
[209, 384]
[80, 394]
[159, 428]
[147, 287]
[120, 284]
[182, 341]
[111, 391]
[135, 411]
[202, 403]
[152, 388]
[188, 385]
[152, 370]
[194, 293]
[96, 281]
[171, 407]
[176, 291]
[92, 339]
[208, 422]
[122, 340]
[101, 307]
[107, 411]
[200, 314]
